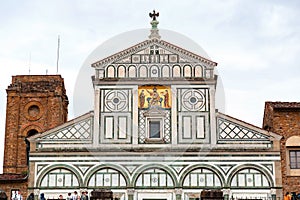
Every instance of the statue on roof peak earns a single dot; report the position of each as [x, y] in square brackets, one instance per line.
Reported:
[154, 31]
[154, 15]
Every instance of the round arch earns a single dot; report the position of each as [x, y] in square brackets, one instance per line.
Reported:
[202, 166]
[293, 141]
[187, 71]
[121, 71]
[198, 71]
[110, 71]
[59, 166]
[168, 170]
[176, 71]
[237, 169]
[31, 127]
[143, 71]
[132, 71]
[119, 169]
[165, 71]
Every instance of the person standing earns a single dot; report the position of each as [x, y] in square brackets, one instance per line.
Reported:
[42, 196]
[75, 196]
[30, 197]
[287, 196]
[69, 197]
[18, 195]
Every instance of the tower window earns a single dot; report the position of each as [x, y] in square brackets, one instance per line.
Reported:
[30, 133]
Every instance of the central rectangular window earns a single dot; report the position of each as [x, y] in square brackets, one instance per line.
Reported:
[154, 129]
[295, 159]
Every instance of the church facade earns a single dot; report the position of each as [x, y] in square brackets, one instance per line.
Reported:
[154, 133]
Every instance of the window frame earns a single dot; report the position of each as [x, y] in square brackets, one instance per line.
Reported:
[150, 139]
[297, 159]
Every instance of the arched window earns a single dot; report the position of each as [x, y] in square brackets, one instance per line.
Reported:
[166, 71]
[176, 71]
[121, 72]
[198, 71]
[110, 72]
[187, 71]
[107, 177]
[154, 178]
[30, 133]
[132, 71]
[60, 178]
[202, 177]
[143, 71]
[249, 178]
[293, 160]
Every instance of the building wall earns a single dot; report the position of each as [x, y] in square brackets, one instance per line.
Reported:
[35, 103]
[284, 118]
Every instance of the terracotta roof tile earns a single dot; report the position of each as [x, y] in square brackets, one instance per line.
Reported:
[284, 105]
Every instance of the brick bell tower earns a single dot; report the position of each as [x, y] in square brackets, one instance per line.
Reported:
[35, 103]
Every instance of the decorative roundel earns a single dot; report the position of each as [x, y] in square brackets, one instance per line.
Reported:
[116, 100]
[33, 110]
[193, 100]
[154, 71]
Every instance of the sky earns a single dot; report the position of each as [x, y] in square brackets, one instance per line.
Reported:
[256, 43]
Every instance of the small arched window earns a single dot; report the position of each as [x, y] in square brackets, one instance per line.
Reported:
[29, 134]
[292, 145]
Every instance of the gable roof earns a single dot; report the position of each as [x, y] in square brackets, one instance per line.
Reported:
[143, 45]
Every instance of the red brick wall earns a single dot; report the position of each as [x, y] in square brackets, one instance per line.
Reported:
[284, 120]
[7, 187]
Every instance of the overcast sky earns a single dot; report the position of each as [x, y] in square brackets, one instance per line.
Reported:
[254, 42]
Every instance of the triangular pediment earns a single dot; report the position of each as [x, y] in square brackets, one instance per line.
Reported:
[154, 51]
[154, 111]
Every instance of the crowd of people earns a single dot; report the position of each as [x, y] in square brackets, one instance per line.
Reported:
[70, 196]
[292, 196]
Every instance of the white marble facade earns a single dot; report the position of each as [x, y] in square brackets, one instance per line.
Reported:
[155, 133]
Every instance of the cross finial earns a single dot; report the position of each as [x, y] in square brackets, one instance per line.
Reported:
[154, 15]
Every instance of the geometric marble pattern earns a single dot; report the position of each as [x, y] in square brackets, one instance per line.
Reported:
[167, 126]
[226, 168]
[79, 130]
[230, 131]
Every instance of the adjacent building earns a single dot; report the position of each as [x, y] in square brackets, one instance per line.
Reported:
[284, 119]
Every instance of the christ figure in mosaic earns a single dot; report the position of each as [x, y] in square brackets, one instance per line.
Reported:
[155, 98]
